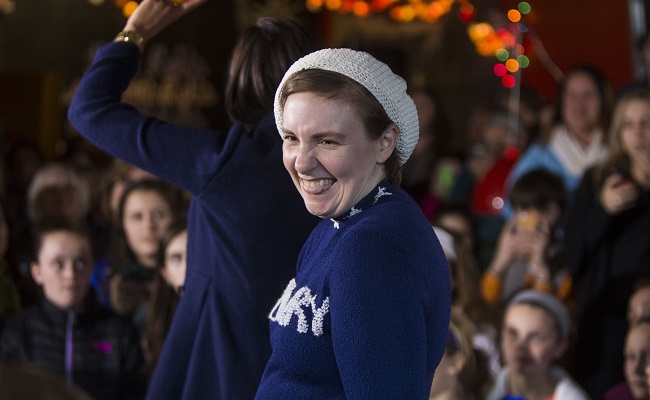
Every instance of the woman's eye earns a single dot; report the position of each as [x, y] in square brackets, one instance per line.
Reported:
[79, 265]
[289, 138]
[136, 217]
[58, 265]
[158, 215]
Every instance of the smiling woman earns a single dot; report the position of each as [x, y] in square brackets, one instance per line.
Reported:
[366, 317]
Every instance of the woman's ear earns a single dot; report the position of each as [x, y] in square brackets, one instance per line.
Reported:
[387, 142]
[35, 269]
[456, 364]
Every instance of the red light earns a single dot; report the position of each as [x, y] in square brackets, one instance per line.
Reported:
[508, 81]
[500, 70]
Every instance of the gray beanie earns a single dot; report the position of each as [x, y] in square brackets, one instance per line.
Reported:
[548, 302]
[387, 87]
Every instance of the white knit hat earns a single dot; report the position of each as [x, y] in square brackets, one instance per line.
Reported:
[388, 88]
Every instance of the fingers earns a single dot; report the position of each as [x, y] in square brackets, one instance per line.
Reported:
[152, 16]
[618, 194]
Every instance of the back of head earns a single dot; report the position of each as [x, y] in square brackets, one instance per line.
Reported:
[538, 189]
[260, 58]
[57, 178]
[29, 382]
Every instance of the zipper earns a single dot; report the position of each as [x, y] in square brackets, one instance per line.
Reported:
[69, 347]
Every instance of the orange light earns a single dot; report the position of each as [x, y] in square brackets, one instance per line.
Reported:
[129, 8]
[360, 8]
[514, 15]
[512, 65]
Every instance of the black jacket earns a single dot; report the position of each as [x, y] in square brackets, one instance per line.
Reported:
[105, 352]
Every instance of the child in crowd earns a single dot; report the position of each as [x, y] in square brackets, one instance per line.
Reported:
[68, 332]
[529, 253]
[169, 287]
[637, 358]
[639, 304]
[534, 335]
[463, 373]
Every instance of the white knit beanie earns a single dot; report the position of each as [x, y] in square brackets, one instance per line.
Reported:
[388, 88]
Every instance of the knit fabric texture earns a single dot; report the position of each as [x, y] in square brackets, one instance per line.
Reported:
[387, 87]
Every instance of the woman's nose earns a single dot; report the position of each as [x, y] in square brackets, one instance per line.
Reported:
[304, 159]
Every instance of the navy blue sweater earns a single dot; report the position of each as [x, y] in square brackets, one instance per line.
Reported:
[367, 315]
[246, 224]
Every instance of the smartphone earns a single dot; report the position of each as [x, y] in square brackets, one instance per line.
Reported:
[528, 219]
[137, 273]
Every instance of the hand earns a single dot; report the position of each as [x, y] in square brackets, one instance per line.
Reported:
[152, 16]
[507, 248]
[618, 194]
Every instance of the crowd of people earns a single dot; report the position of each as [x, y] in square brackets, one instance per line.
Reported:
[318, 249]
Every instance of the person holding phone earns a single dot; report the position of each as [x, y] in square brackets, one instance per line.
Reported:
[530, 253]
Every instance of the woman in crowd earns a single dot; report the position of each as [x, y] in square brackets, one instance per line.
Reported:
[367, 315]
[534, 336]
[607, 243]
[145, 212]
[246, 223]
[637, 358]
[577, 139]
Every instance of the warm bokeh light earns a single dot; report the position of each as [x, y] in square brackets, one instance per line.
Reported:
[398, 10]
[508, 81]
[500, 70]
[514, 16]
[361, 9]
[129, 8]
[512, 65]
[466, 12]
[120, 3]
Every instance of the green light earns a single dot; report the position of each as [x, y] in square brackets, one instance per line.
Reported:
[502, 54]
[523, 61]
[524, 7]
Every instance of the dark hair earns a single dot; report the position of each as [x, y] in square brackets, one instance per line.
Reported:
[163, 303]
[336, 86]
[605, 92]
[45, 227]
[538, 189]
[259, 60]
[120, 250]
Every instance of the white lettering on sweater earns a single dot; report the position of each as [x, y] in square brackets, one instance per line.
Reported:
[291, 304]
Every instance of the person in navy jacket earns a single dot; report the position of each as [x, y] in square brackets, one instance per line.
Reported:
[245, 223]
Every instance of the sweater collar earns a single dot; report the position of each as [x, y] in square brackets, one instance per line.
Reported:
[379, 194]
